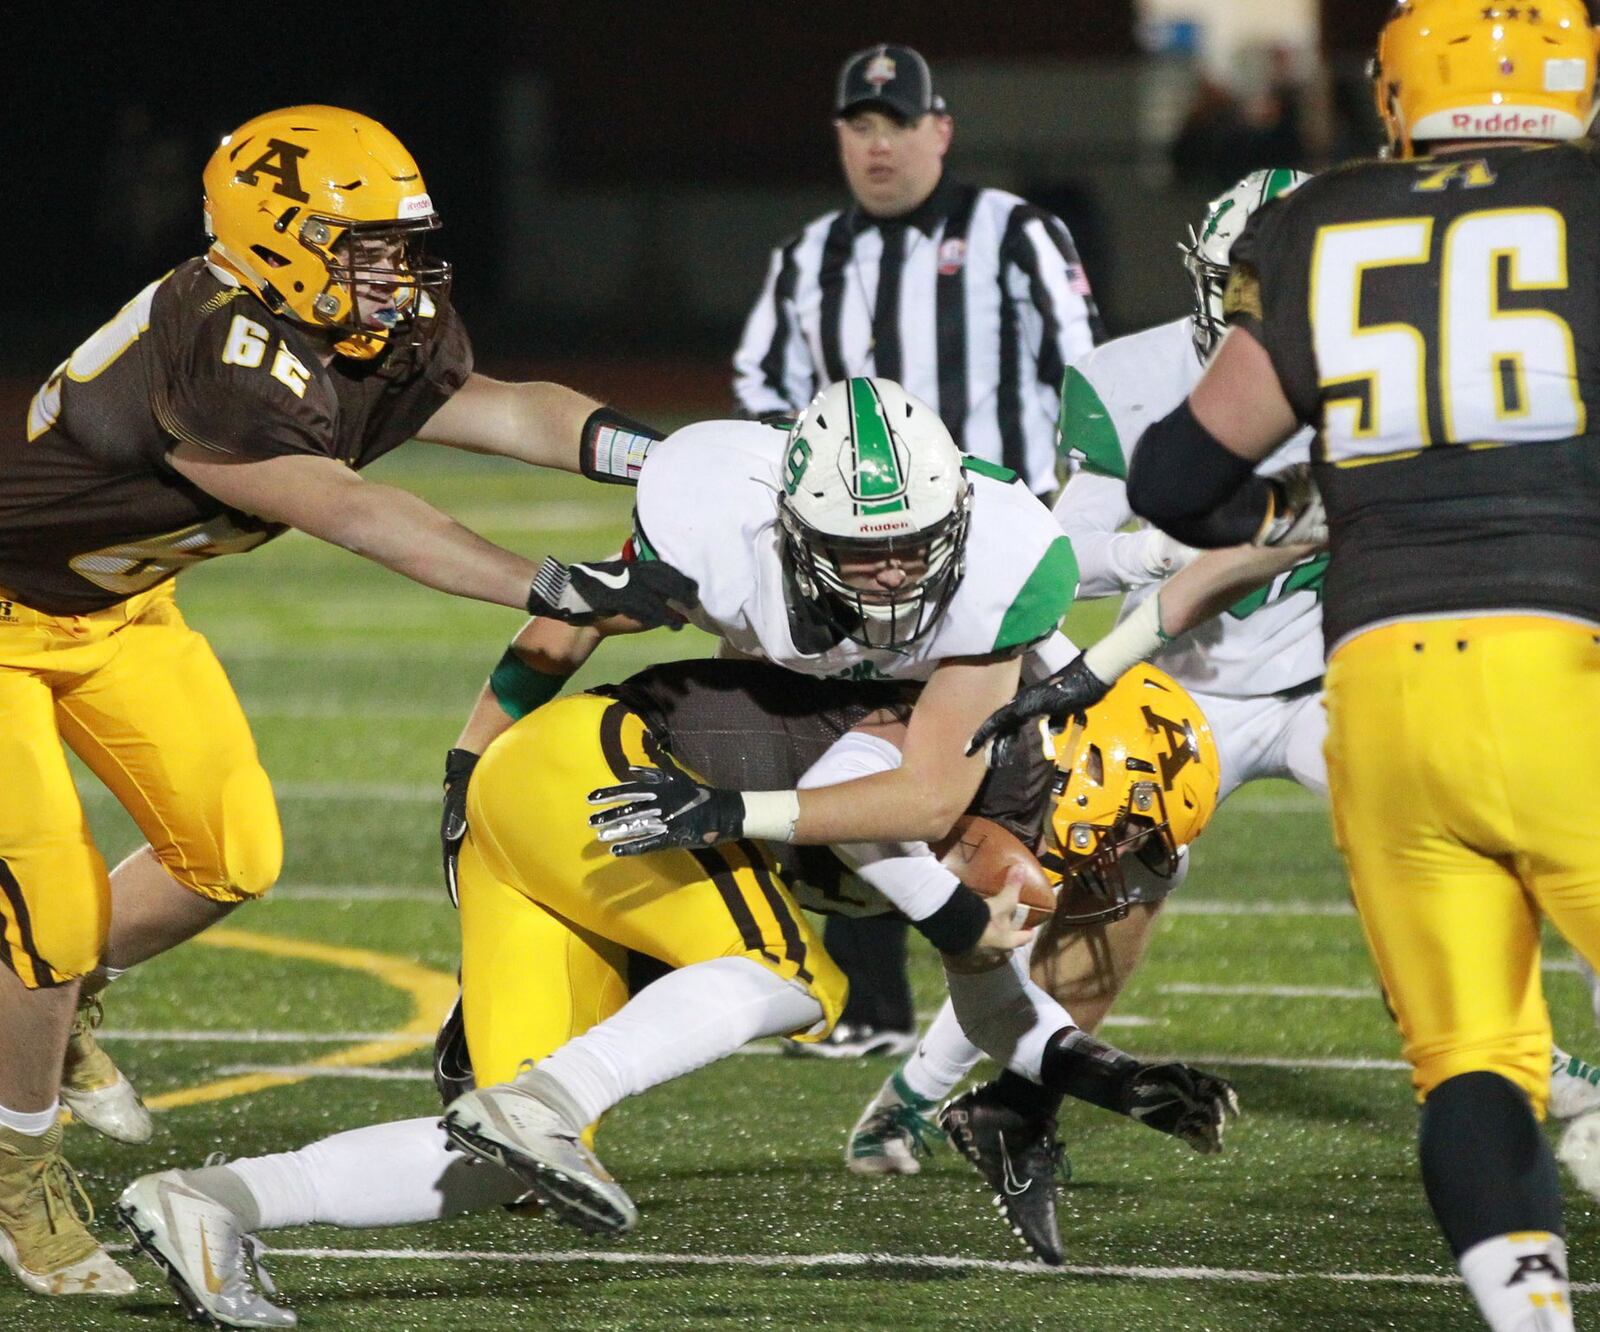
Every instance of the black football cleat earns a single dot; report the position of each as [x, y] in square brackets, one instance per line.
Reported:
[1018, 1158]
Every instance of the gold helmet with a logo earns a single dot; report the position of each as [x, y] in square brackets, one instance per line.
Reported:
[1137, 774]
[322, 213]
[1485, 69]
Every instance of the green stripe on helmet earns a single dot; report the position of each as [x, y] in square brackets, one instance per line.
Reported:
[1278, 180]
[877, 472]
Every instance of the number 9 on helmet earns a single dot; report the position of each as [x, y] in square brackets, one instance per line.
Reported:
[874, 512]
[322, 213]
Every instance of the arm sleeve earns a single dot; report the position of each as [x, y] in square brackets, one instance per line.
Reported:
[1090, 510]
[905, 873]
[771, 369]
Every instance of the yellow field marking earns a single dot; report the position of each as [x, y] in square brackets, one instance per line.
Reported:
[432, 992]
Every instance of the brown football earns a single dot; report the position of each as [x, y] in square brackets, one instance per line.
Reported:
[979, 851]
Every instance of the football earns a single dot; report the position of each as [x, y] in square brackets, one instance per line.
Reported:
[979, 851]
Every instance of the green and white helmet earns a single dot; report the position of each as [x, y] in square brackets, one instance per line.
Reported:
[1206, 255]
[873, 475]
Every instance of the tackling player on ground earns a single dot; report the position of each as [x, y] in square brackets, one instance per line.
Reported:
[235, 397]
[551, 950]
[1435, 317]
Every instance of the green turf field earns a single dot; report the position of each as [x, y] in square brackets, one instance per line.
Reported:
[316, 1015]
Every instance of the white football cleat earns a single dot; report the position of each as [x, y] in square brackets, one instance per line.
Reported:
[893, 1131]
[116, 1111]
[94, 1088]
[212, 1267]
[527, 1126]
[1579, 1151]
[1573, 1086]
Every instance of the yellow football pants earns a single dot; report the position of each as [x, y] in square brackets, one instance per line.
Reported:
[1464, 771]
[548, 914]
[143, 701]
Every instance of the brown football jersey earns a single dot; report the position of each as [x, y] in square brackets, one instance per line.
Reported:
[754, 726]
[91, 511]
[1438, 322]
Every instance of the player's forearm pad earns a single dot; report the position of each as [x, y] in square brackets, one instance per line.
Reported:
[1185, 482]
[614, 447]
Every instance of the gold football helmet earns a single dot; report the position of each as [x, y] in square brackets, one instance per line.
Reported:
[1135, 775]
[322, 213]
[1485, 69]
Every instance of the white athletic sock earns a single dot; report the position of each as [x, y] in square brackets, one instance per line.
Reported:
[689, 1018]
[1006, 1015]
[943, 1057]
[382, 1175]
[1520, 1282]
[32, 1123]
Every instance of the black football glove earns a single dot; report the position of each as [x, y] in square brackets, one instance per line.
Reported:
[1071, 689]
[648, 591]
[1182, 1101]
[665, 807]
[458, 766]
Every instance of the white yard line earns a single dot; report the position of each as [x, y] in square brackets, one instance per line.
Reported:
[1269, 991]
[206, 1037]
[888, 1261]
[320, 1070]
[772, 1048]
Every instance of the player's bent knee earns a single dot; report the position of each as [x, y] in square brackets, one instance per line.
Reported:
[243, 853]
[55, 912]
[1519, 1061]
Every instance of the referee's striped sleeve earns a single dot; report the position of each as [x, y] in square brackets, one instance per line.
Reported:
[770, 368]
[1068, 323]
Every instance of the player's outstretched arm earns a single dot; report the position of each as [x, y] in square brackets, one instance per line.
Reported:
[323, 498]
[917, 802]
[545, 424]
[1193, 595]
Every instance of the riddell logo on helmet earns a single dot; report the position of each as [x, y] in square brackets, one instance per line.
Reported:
[885, 527]
[1503, 122]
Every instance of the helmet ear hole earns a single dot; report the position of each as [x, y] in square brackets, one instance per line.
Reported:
[1096, 766]
[271, 258]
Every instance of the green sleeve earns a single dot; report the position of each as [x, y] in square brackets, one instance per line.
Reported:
[1043, 600]
[1086, 429]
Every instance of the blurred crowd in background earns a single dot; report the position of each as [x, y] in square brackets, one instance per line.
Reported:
[612, 176]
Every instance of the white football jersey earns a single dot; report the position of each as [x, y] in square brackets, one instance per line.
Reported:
[707, 504]
[1269, 641]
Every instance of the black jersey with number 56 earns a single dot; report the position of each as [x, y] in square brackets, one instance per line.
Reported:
[90, 510]
[1438, 321]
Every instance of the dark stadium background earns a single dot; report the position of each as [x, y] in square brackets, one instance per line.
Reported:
[611, 175]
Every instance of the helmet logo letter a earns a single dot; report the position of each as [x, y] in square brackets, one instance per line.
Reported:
[281, 161]
[1181, 740]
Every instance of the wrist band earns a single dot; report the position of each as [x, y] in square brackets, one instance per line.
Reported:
[770, 816]
[519, 689]
[956, 926]
[1138, 636]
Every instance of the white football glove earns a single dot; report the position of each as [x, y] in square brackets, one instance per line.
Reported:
[1163, 556]
[1297, 516]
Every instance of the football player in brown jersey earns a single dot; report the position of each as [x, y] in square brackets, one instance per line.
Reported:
[1435, 317]
[236, 397]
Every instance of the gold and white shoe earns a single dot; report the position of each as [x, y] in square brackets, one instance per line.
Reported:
[43, 1237]
[529, 1126]
[94, 1088]
[213, 1267]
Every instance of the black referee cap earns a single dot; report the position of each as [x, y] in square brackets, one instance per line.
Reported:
[894, 77]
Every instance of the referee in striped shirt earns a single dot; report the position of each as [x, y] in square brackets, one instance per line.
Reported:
[973, 299]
